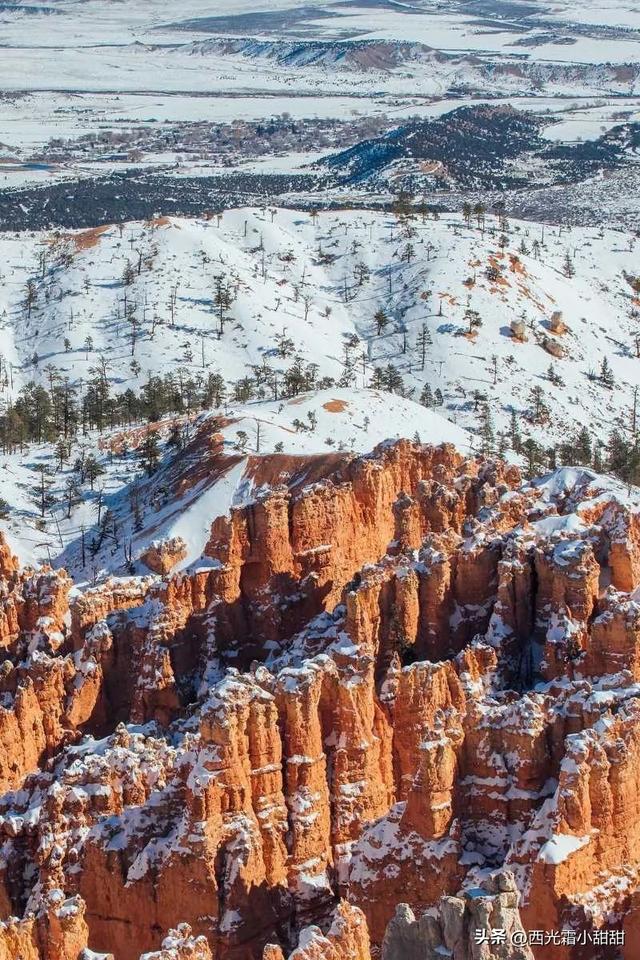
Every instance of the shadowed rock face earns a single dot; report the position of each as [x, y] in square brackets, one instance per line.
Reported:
[463, 926]
[382, 688]
[301, 547]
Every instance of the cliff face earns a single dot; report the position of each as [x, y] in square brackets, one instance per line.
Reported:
[375, 690]
[482, 922]
[289, 555]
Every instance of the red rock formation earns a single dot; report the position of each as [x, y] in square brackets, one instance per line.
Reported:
[8, 563]
[613, 643]
[346, 939]
[57, 932]
[568, 581]
[443, 682]
[303, 547]
[586, 861]
[162, 556]
[97, 603]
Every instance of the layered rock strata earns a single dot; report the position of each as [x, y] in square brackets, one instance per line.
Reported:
[376, 690]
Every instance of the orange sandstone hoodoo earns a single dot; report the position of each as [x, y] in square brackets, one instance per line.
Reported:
[392, 708]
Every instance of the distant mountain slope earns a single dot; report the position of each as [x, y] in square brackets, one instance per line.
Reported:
[386, 60]
[484, 147]
[125, 306]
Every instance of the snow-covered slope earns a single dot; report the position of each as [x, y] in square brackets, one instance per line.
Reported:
[299, 347]
[225, 461]
[134, 40]
[309, 287]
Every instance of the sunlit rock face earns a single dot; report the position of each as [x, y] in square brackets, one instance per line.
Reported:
[389, 707]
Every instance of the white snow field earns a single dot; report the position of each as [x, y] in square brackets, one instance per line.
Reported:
[289, 272]
[306, 290]
[71, 69]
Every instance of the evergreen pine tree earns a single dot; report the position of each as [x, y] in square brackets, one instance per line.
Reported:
[487, 432]
[514, 433]
[149, 452]
[617, 453]
[534, 457]
[582, 448]
[381, 320]
[568, 267]
[598, 463]
[93, 469]
[426, 397]
[606, 374]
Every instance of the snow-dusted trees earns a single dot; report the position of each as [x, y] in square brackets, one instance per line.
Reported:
[473, 320]
[149, 452]
[30, 297]
[223, 297]
[408, 253]
[487, 430]
[479, 212]
[214, 391]
[606, 374]
[426, 397]
[381, 320]
[581, 447]
[72, 495]
[539, 411]
[41, 490]
[554, 377]
[535, 457]
[388, 378]
[13, 431]
[128, 274]
[423, 343]
[568, 268]
[93, 470]
[34, 408]
[361, 273]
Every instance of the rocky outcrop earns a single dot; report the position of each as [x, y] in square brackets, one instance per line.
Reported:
[97, 603]
[57, 932]
[9, 565]
[346, 939]
[568, 577]
[161, 556]
[181, 945]
[583, 842]
[481, 923]
[302, 547]
[377, 688]
[613, 643]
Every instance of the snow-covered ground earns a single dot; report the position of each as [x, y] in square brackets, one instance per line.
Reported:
[320, 423]
[32, 121]
[101, 24]
[288, 272]
[72, 69]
